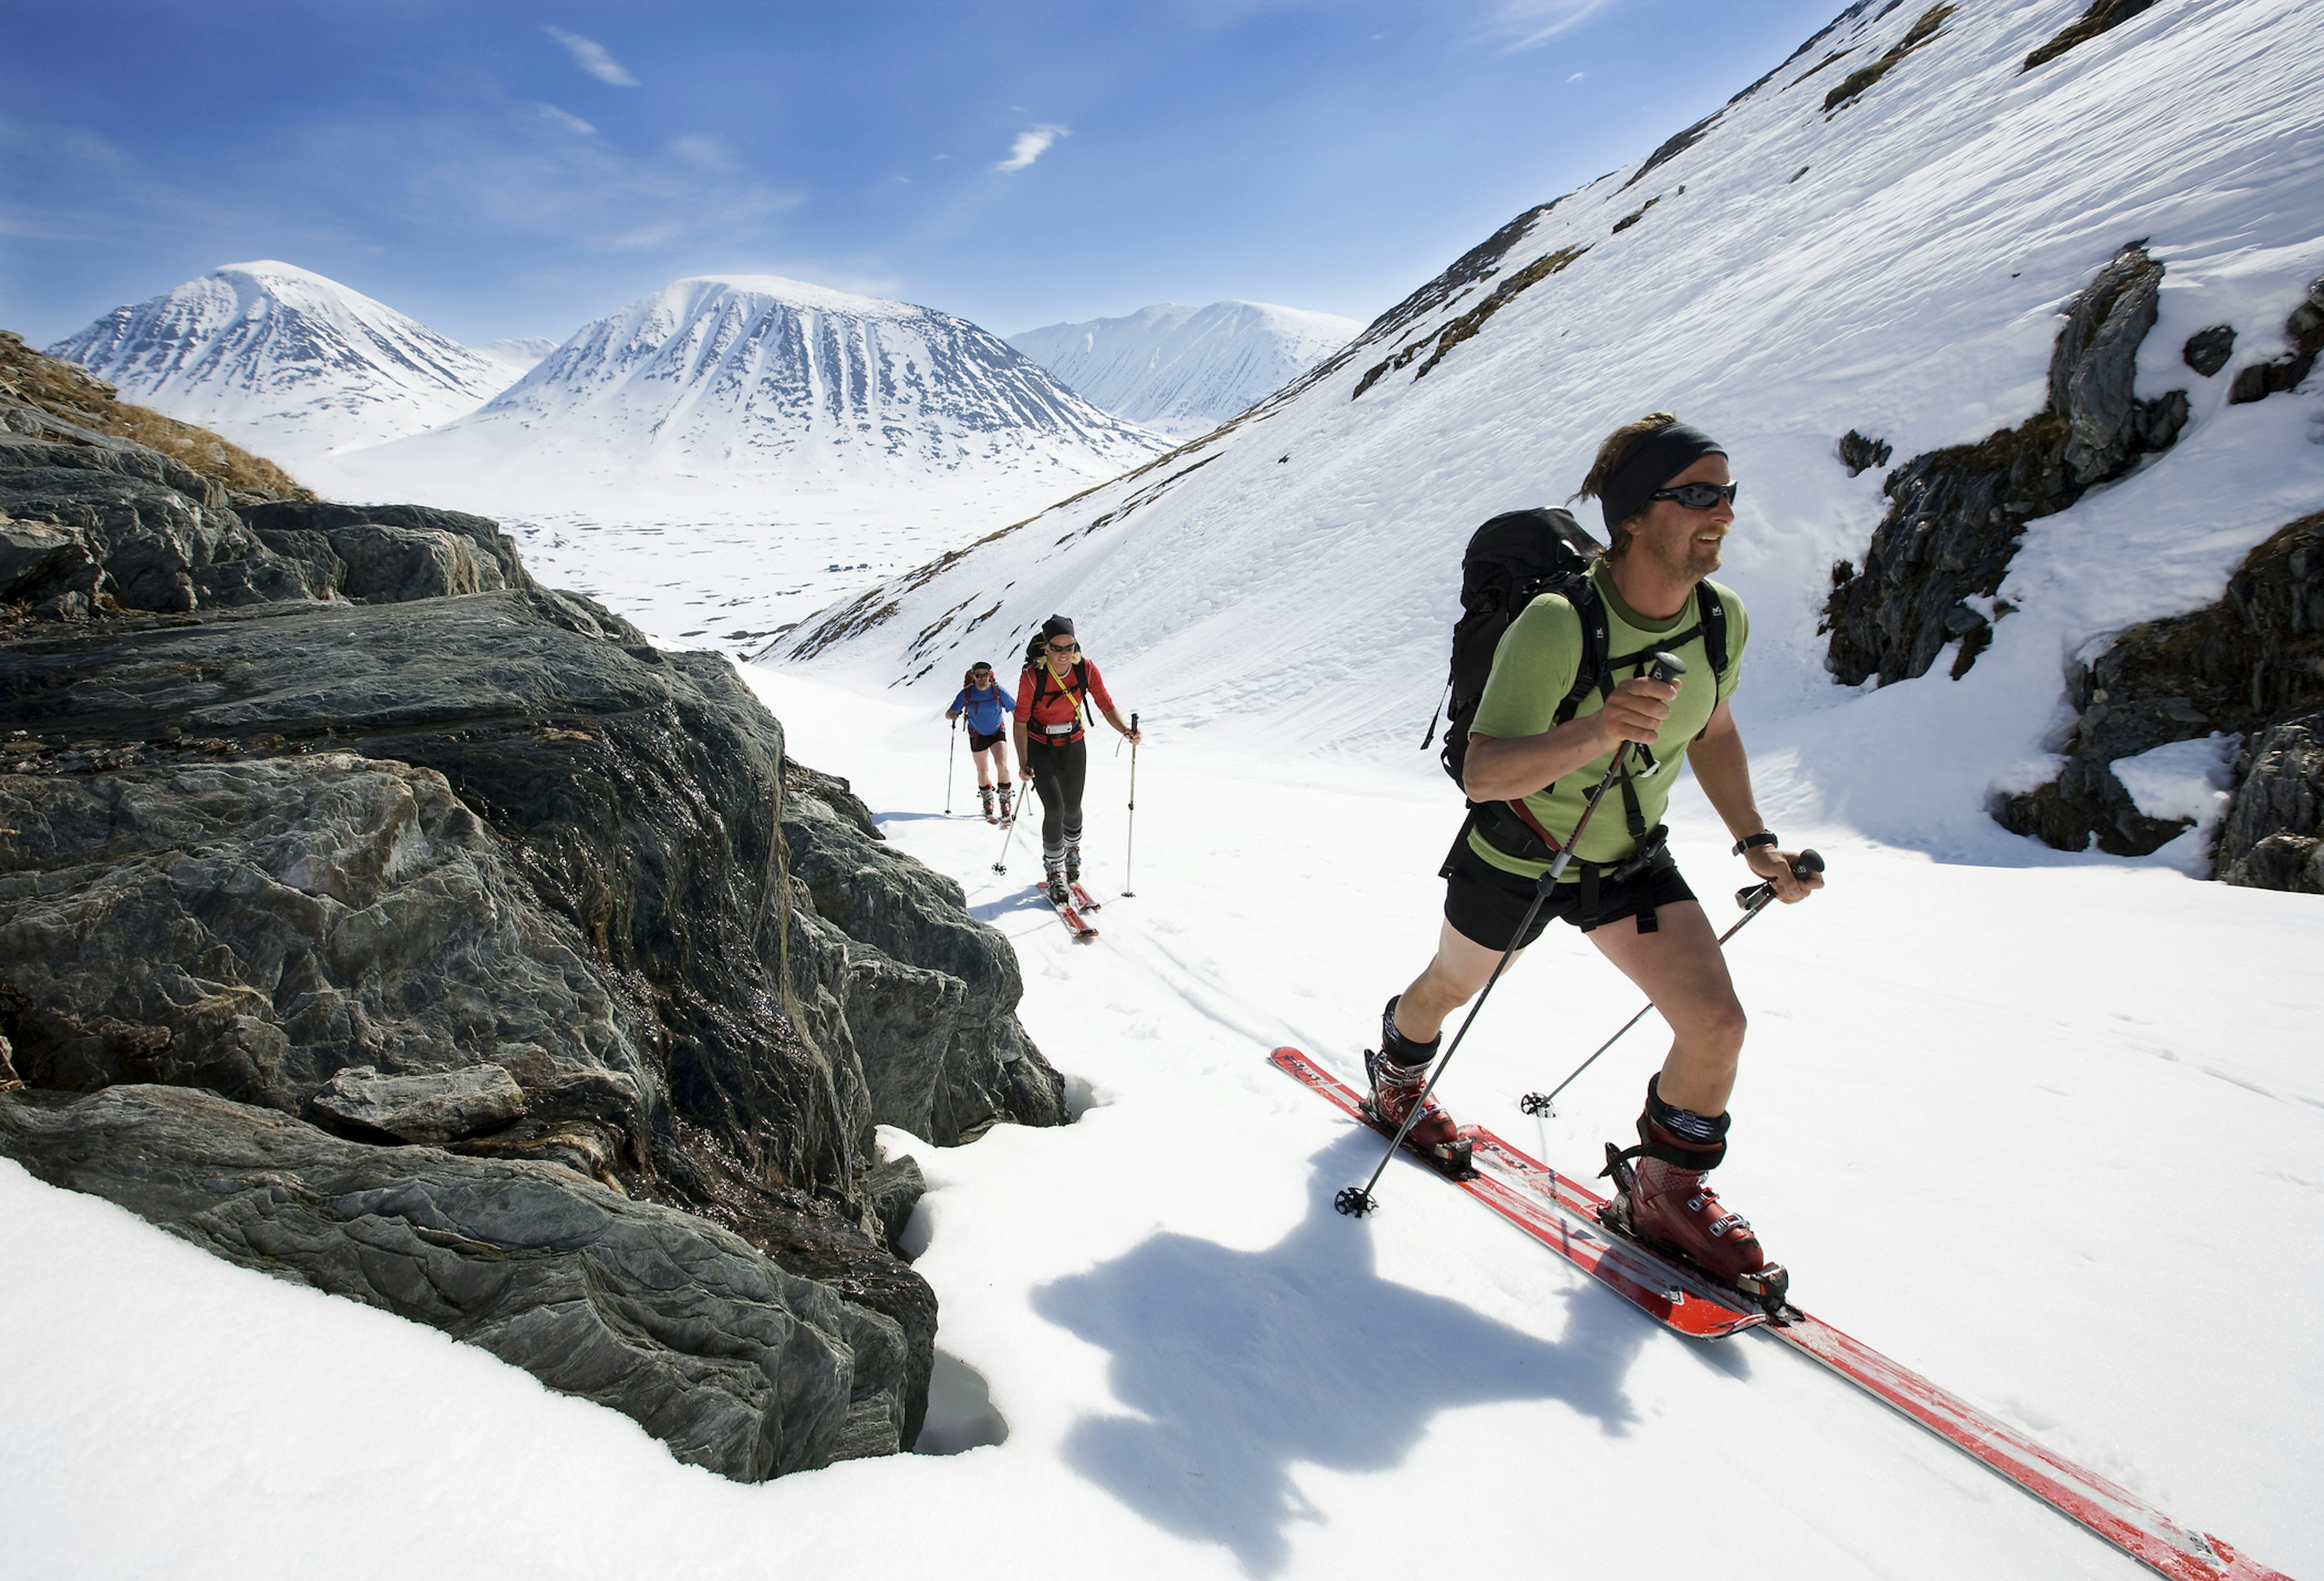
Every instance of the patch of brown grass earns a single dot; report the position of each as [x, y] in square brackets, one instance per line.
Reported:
[73, 394]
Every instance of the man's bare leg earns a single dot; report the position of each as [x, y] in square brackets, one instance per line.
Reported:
[1680, 967]
[1461, 968]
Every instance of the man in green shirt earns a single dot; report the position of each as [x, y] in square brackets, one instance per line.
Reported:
[1668, 499]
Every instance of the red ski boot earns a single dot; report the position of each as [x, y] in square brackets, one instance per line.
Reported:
[1398, 1089]
[1664, 1198]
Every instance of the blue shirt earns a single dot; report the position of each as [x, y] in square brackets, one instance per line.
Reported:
[986, 709]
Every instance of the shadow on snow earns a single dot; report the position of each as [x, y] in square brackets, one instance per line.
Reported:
[1247, 1363]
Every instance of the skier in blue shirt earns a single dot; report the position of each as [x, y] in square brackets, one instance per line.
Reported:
[988, 707]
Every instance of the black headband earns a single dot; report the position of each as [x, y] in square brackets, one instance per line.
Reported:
[1058, 625]
[1647, 465]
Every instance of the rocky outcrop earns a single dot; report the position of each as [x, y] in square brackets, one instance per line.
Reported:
[2273, 836]
[1856, 84]
[2247, 665]
[926, 995]
[732, 1362]
[2102, 16]
[427, 855]
[1956, 516]
[2304, 330]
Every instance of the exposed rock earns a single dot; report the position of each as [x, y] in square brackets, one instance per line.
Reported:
[434, 1105]
[2305, 330]
[2207, 351]
[396, 552]
[1859, 454]
[2102, 16]
[259, 928]
[1466, 326]
[2273, 836]
[895, 1188]
[1956, 516]
[1856, 84]
[735, 1364]
[2249, 662]
[496, 830]
[926, 996]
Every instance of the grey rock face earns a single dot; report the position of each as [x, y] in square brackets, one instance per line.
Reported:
[498, 830]
[395, 552]
[2244, 665]
[928, 995]
[258, 927]
[436, 1105]
[2305, 330]
[735, 1364]
[2207, 351]
[2273, 838]
[1956, 516]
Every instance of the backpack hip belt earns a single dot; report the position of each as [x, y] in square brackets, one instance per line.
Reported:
[1510, 829]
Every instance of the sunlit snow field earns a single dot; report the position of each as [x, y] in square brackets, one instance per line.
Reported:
[2048, 1133]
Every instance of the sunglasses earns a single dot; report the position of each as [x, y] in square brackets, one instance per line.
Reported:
[1698, 496]
[1065, 647]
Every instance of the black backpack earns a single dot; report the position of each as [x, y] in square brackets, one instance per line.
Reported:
[1511, 562]
[1037, 659]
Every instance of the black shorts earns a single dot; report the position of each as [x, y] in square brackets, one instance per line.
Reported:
[979, 743]
[1485, 903]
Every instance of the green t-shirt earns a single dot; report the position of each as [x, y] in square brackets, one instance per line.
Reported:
[1534, 668]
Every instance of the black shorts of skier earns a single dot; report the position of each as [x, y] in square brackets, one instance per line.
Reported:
[1668, 501]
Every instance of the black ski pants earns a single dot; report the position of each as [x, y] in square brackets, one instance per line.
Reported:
[1059, 773]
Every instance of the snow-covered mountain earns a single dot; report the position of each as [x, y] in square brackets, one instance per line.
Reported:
[760, 377]
[522, 353]
[285, 362]
[1184, 371]
[1878, 238]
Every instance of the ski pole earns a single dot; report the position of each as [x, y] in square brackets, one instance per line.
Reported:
[952, 754]
[1754, 899]
[1008, 836]
[1130, 855]
[1357, 1200]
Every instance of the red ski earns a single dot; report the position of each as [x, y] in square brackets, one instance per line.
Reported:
[1071, 915]
[1083, 897]
[1562, 1213]
[1679, 1297]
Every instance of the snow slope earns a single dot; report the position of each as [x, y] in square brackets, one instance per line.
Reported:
[1894, 266]
[1183, 371]
[787, 384]
[2098, 1227]
[285, 362]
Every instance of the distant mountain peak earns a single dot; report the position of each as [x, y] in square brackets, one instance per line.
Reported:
[758, 375]
[285, 360]
[1185, 370]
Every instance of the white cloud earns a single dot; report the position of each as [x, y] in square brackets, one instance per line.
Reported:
[566, 119]
[1577, 77]
[593, 57]
[1031, 144]
[1527, 23]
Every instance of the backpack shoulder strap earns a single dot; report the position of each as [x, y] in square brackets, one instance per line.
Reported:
[1590, 674]
[1712, 610]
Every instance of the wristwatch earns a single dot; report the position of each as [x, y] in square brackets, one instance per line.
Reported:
[1761, 838]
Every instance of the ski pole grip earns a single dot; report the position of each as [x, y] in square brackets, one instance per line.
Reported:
[1805, 864]
[1668, 667]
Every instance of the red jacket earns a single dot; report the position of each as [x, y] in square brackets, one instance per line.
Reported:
[1040, 702]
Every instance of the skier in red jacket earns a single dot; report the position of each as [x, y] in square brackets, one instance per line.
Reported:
[1057, 691]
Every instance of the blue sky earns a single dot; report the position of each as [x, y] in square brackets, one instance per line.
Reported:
[508, 168]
